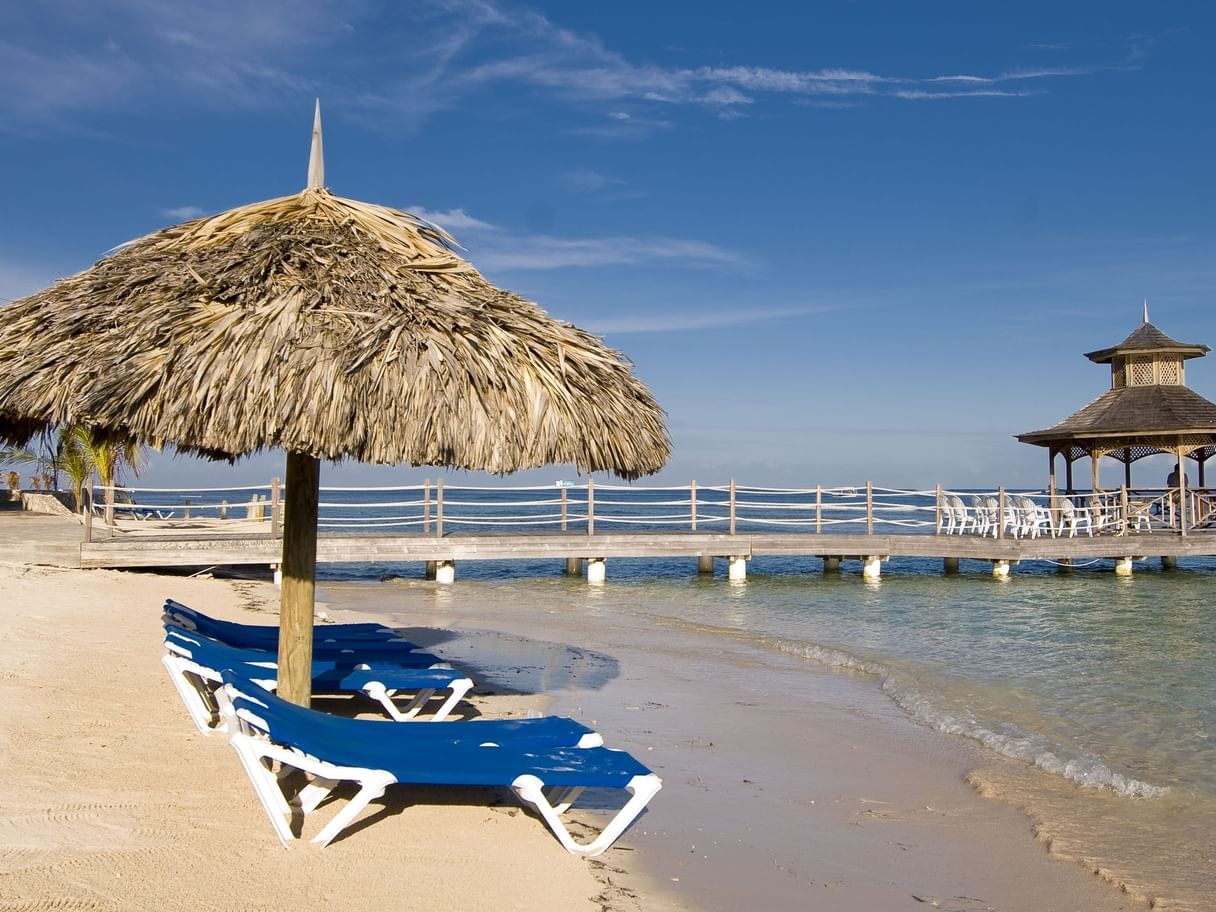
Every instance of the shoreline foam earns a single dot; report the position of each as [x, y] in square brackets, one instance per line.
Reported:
[804, 785]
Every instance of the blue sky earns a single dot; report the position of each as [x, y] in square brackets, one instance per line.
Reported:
[840, 240]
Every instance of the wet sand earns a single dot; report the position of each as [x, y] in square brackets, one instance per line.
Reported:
[786, 785]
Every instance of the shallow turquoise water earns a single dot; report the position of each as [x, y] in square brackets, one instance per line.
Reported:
[1108, 681]
[1105, 685]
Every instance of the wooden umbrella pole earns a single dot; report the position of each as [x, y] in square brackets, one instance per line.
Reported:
[299, 578]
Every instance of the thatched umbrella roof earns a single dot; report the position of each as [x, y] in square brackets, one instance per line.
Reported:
[331, 328]
[328, 327]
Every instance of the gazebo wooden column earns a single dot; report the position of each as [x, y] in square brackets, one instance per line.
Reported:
[1051, 482]
[1182, 495]
[299, 578]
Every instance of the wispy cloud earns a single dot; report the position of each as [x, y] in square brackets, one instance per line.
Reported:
[922, 95]
[495, 247]
[452, 220]
[596, 184]
[629, 324]
[62, 56]
[56, 65]
[546, 252]
[182, 213]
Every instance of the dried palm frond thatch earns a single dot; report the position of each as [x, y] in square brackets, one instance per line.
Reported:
[333, 329]
[328, 327]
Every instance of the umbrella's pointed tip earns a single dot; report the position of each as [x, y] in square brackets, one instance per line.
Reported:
[316, 157]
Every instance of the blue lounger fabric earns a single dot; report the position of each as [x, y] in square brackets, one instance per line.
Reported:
[194, 663]
[551, 730]
[377, 655]
[264, 636]
[270, 735]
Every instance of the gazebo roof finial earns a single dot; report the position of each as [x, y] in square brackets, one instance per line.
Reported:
[316, 157]
[1145, 306]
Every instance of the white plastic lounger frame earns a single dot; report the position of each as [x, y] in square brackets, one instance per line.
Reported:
[259, 755]
[196, 685]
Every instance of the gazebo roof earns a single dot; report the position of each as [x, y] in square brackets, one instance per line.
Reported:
[1145, 339]
[1148, 411]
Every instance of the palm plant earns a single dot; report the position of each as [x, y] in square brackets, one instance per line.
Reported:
[74, 460]
[82, 451]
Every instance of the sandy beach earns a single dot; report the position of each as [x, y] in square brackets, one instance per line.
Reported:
[111, 799]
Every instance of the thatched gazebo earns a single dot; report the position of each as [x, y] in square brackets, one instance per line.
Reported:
[1148, 410]
[333, 329]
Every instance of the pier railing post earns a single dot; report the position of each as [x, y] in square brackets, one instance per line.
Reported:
[439, 508]
[565, 501]
[692, 501]
[937, 511]
[86, 502]
[276, 509]
[426, 507]
[818, 509]
[590, 505]
[732, 506]
[869, 508]
[1000, 510]
[1125, 517]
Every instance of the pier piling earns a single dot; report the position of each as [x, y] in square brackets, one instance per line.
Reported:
[597, 569]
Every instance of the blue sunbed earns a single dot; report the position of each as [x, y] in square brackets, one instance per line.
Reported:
[263, 636]
[331, 750]
[194, 662]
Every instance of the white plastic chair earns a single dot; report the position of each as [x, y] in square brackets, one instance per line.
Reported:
[993, 507]
[1102, 516]
[963, 520]
[1138, 518]
[983, 519]
[1035, 519]
[1074, 518]
[946, 521]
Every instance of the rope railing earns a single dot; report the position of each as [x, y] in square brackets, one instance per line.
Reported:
[436, 508]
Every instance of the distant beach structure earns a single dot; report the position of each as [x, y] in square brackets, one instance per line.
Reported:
[1148, 410]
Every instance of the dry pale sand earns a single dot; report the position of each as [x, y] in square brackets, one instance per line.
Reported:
[111, 800]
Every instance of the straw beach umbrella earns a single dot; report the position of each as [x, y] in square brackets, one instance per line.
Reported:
[334, 329]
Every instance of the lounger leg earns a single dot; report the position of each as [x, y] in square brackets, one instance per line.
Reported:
[372, 784]
[384, 697]
[563, 799]
[189, 683]
[316, 791]
[378, 692]
[254, 752]
[266, 785]
[530, 790]
[459, 688]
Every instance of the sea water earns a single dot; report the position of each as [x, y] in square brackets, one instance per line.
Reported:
[1102, 689]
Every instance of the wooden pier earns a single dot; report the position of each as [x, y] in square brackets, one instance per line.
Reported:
[595, 550]
[589, 525]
